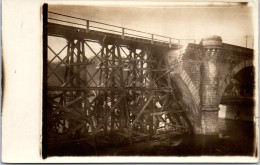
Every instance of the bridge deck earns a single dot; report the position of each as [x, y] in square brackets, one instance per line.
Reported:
[65, 31]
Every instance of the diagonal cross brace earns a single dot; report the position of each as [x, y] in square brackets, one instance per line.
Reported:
[142, 110]
[66, 106]
[109, 113]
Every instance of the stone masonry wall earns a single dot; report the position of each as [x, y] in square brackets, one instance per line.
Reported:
[191, 63]
[192, 68]
[208, 65]
[209, 122]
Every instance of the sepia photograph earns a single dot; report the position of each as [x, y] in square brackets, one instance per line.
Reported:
[130, 81]
[175, 80]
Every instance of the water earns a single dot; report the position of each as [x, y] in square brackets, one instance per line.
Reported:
[235, 138]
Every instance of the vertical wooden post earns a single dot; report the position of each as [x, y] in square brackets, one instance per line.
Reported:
[129, 56]
[84, 59]
[71, 70]
[85, 79]
[67, 69]
[106, 85]
[87, 26]
[113, 84]
[78, 61]
[153, 102]
[121, 78]
[101, 65]
[134, 68]
[142, 79]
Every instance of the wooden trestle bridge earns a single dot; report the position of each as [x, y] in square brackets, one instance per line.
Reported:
[110, 80]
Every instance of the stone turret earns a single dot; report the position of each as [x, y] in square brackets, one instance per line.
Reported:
[212, 42]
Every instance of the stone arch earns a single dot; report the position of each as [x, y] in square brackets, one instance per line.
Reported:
[190, 85]
[183, 85]
[173, 59]
[190, 96]
[223, 84]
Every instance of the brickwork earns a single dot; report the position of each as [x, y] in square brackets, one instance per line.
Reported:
[192, 68]
[209, 89]
[229, 73]
[190, 84]
[224, 69]
[187, 98]
[206, 70]
[209, 122]
[187, 89]
[191, 63]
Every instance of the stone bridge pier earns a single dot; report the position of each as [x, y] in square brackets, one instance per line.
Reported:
[203, 73]
[210, 85]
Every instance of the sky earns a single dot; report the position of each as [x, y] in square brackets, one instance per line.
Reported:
[232, 23]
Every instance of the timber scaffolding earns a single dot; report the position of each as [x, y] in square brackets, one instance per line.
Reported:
[107, 82]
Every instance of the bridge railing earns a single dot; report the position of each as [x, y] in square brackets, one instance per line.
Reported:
[104, 27]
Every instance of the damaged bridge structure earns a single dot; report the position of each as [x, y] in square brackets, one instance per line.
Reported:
[110, 83]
